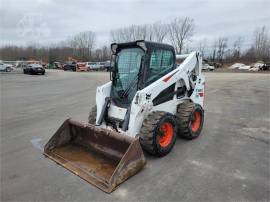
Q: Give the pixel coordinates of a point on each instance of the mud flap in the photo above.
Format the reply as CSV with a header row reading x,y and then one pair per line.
x,y
102,157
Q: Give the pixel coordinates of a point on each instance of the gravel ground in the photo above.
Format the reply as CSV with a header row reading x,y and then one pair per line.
x,y
230,161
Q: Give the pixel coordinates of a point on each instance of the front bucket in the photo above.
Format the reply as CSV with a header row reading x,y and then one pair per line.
x,y
102,157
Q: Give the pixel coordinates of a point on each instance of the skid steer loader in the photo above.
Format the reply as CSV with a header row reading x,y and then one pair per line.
x,y
149,100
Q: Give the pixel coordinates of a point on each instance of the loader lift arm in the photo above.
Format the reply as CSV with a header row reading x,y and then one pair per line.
x,y
185,79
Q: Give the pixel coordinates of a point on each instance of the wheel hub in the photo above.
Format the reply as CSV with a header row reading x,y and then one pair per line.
x,y
165,134
196,121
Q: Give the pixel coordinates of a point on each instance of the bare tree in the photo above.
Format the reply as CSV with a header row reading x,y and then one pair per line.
x,y
83,44
187,48
221,48
98,54
180,32
141,32
152,32
157,32
202,47
214,50
237,46
249,55
262,43
119,35
106,52
131,33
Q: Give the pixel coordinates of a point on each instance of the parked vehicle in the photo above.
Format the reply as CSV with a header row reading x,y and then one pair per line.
x,y
107,66
21,64
265,67
215,64
212,63
207,67
102,65
44,65
81,66
95,66
70,65
88,65
58,65
54,65
5,67
236,65
34,69
244,67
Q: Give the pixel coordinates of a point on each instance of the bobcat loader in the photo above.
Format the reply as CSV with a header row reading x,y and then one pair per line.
x,y
149,100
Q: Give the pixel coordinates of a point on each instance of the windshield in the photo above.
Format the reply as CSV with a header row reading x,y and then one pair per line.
x,y
128,62
128,65
35,65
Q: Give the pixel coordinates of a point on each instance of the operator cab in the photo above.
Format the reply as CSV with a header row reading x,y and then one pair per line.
x,y
136,65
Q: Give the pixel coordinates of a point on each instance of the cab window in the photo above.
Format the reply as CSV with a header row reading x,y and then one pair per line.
x,y
161,63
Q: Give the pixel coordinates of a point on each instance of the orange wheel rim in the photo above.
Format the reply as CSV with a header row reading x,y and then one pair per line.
x,y
167,136
196,122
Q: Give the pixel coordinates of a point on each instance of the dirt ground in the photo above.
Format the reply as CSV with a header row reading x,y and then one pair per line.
x,y
230,161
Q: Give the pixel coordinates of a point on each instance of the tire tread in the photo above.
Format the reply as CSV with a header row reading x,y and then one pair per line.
x,y
148,129
92,115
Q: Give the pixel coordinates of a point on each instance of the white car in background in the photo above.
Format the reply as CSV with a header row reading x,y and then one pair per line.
x,y
5,67
244,67
240,66
88,65
94,66
207,67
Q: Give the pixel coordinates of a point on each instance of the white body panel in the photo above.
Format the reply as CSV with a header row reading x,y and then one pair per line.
x,y
102,92
142,103
117,112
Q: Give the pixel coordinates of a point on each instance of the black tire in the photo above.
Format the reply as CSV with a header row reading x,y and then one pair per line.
x,y
151,133
188,122
92,115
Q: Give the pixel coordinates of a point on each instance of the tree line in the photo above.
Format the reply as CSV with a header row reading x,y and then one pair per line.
x,y
179,32
80,47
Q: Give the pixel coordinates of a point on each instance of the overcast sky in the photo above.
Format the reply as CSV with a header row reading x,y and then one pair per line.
x,y
50,21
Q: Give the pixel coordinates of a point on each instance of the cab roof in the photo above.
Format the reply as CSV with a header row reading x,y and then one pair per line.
x,y
146,45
